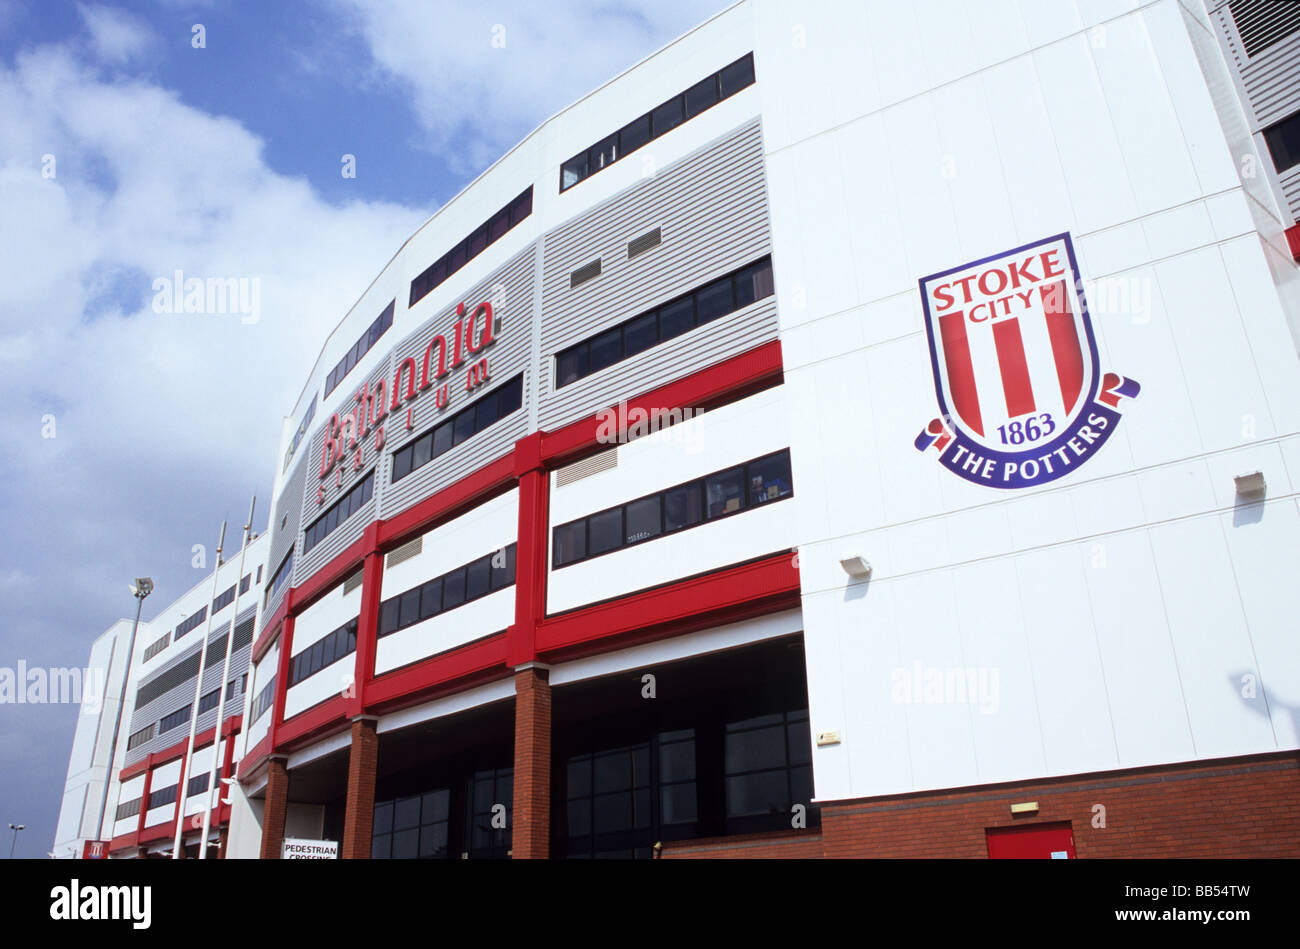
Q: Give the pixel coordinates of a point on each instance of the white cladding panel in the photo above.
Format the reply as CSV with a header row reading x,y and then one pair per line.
x,y
1134,611
706,443
487,528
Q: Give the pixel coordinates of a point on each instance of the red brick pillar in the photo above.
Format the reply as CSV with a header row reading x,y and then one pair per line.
x,y
531,831
275,810
359,816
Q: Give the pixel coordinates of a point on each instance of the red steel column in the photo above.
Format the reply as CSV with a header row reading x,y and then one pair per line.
x,y
531,831
144,797
530,551
372,586
359,815
282,676
275,810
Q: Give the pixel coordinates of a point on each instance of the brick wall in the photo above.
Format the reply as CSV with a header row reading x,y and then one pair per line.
x,y
1231,807
359,815
275,810
784,845
531,817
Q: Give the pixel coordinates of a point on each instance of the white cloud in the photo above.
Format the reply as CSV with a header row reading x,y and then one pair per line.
x,y
115,35
475,99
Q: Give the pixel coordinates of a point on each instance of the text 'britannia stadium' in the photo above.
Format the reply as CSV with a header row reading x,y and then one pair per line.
x,y
859,429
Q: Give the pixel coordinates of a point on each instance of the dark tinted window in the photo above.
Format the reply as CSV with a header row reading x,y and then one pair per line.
x,y
453,589
700,96
1284,143
667,116
737,76
635,134
640,334
724,492
642,519
677,318
714,301
683,506
570,542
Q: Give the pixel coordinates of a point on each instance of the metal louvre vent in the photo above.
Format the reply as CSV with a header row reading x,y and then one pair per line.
x,y
352,582
584,273
1262,23
640,245
587,467
411,548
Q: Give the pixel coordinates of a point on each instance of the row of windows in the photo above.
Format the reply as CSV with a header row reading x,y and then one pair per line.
x,y
264,699
163,797
462,426
210,701
354,355
185,625
714,300
157,646
223,600
140,737
622,796
420,826
282,574
342,642
302,431
339,511
178,717
129,809
714,496
488,233
198,784
686,105
487,574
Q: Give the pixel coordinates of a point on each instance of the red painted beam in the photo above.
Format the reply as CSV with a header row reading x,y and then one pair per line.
x,y
314,722
474,663
1293,240
724,596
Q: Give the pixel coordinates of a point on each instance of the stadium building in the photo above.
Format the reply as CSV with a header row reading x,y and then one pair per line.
x,y
857,430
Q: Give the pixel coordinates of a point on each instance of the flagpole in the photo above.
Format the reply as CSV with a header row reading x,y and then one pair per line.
x,y
186,761
215,771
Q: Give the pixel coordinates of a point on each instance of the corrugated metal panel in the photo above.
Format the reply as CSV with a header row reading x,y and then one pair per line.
x,y
1271,77
1291,190
511,290
712,208
289,512
305,564
405,552
587,467
1261,23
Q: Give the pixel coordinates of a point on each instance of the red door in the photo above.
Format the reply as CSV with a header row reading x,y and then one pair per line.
x,y
1031,842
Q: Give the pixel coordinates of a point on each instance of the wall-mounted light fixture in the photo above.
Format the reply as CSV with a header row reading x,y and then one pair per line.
x,y
856,567
1250,485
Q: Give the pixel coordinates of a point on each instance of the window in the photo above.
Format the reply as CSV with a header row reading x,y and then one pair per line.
x,y
244,583
223,600
659,120
721,494
414,827
282,573
478,241
459,428
189,623
713,301
369,337
178,717
487,574
1283,142
767,767
198,784
210,701
264,700
324,652
338,512
129,809
157,646
140,737
235,686
163,797
489,791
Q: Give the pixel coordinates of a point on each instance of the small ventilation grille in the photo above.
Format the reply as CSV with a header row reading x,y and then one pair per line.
x,y
405,552
587,467
584,273
643,243
1263,23
352,582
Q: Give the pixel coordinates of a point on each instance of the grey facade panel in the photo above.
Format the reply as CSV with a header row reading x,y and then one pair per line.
x,y
1270,78
712,210
511,291
289,512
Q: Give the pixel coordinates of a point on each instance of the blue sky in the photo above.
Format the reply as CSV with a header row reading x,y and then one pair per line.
x,y
219,161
